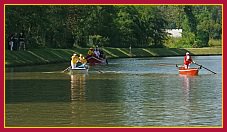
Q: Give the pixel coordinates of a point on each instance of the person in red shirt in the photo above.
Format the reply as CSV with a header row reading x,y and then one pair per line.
x,y
187,60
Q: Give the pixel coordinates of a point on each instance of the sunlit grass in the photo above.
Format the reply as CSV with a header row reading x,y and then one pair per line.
x,y
152,53
44,56
109,52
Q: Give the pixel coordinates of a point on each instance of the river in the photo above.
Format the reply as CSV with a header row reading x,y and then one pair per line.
x,y
138,92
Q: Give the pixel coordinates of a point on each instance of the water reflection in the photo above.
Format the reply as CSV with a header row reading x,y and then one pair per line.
x,y
186,102
78,87
186,86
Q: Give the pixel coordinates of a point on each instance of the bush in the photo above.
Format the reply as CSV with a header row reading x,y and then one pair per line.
x,y
202,39
98,40
215,43
186,41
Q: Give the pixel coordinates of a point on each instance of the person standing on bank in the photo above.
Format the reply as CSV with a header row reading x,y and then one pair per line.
x,y
10,42
187,60
21,41
15,41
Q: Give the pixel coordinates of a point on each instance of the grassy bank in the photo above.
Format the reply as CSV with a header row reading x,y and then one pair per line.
x,y
45,56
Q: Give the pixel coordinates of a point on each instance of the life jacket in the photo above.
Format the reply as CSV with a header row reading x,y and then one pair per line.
x,y
90,52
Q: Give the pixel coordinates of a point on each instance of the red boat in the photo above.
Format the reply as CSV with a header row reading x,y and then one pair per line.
x,y
94,60
189,71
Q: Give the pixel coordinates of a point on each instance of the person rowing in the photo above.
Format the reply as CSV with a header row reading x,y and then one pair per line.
x,y
74,61
187,60
81,62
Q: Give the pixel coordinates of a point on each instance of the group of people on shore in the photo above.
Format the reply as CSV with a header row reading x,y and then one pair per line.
x,y
16,42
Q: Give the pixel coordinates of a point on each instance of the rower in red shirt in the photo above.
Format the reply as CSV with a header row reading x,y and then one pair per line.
x,y
187,60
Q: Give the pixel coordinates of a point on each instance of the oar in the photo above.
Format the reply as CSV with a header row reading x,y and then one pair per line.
x,y
178,66
98,70
205,68
66,69
165,64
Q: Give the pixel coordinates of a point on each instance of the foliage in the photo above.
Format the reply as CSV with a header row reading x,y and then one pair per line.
x,y
200,23
67,26
98,40
215,43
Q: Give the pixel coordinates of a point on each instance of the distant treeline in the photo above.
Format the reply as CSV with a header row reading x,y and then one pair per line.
x,y
66,26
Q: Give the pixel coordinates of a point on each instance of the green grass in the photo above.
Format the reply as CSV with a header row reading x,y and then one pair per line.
x,y
205,51
179,43
45,56
215,43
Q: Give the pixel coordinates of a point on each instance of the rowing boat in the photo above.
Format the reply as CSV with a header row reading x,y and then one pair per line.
x,y
77,70
94,60
189,71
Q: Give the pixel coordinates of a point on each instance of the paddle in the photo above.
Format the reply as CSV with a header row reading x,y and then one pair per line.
x,y
66,69
205,68
98,70
165,64
178,66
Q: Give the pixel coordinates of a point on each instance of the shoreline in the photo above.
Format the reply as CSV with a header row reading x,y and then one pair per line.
x,y
53,56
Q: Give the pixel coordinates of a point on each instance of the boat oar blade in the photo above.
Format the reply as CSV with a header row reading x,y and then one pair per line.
x,y
205,68
208,70
66,69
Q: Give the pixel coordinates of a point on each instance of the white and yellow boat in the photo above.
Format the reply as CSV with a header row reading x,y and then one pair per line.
x,y
79,69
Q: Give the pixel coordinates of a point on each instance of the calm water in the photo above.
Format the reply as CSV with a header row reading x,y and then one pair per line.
x,y
127,92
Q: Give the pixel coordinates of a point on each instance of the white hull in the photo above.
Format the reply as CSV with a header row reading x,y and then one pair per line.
x,y
78,70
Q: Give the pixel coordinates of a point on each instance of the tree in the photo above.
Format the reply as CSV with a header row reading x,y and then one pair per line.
x,y
68,26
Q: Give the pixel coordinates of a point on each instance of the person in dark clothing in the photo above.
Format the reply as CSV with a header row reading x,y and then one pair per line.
x,y
101,53
21,41
15,41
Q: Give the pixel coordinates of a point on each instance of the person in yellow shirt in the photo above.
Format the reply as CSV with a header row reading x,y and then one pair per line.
x,y
74,60
79,63
90,52
81,57
83,61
